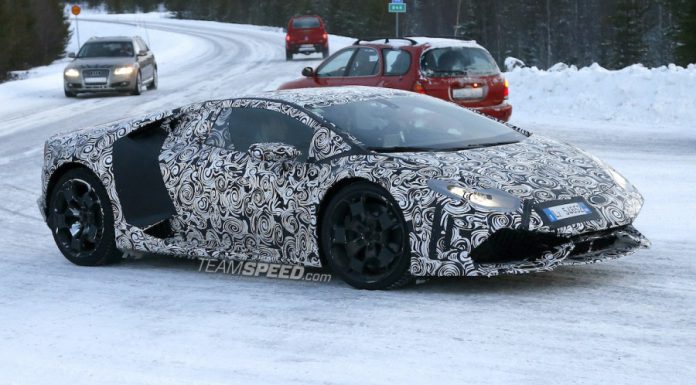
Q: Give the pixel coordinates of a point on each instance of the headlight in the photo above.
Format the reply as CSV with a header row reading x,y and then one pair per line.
x,y
619,179
72,73
123,70
482,199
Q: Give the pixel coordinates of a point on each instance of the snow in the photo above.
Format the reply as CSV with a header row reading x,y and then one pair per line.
x,y
159,321
511,63
438,42
635,95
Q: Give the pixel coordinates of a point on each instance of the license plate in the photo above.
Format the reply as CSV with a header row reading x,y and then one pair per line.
x,y
95,80
467,93
307,46
565,211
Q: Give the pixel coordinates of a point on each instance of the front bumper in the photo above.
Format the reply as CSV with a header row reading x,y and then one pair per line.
x,y
111,83
545,256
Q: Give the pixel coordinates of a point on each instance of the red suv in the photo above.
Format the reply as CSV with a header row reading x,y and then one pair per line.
x,y
306,34
459,71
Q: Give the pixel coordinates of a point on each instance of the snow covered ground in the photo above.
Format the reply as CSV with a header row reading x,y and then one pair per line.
x,y
160,321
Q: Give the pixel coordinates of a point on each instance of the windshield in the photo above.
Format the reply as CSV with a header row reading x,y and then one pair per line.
x,y
417,123
452,61
107,49
306,22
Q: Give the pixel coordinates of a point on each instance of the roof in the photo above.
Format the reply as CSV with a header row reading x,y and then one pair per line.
x,y
112,38
438,42
329,96
433,42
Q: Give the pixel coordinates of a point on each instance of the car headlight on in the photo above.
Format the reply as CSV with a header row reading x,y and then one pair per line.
x,y
123,70
482,199
72,73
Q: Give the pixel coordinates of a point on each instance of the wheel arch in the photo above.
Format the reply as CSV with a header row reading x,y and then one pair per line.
x,y
57,174
330,193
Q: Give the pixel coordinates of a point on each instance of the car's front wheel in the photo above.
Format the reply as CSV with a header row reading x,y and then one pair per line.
x,y
69,94
81,219
364,238
153,84
138,85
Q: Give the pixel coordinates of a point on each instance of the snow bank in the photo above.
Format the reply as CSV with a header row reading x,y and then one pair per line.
x,y
652,97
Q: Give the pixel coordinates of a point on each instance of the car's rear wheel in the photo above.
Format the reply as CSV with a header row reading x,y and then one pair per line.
x,y
364,238
288,55
154,82
325,52
138,85
81,219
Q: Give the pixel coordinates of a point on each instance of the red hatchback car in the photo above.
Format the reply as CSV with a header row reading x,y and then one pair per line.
x,y
459,71
306,34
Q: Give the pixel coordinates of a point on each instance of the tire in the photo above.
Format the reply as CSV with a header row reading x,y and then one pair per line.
x,y
69,94
325,53
81,219
153,84
288,55
138,85
364,238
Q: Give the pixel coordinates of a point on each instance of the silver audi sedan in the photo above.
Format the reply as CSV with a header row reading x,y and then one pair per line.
x,y
111,64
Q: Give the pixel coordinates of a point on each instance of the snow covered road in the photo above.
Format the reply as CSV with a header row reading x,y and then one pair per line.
x,y
161,321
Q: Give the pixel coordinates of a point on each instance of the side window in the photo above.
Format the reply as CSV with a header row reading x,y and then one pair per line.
x,y
337,65
396,62
236,129
365,63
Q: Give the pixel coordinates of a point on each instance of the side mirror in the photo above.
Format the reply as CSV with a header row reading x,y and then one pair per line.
x,y
142,52
308,72
71,55
273,152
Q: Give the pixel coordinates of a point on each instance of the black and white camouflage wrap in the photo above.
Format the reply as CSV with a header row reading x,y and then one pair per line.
x,y
234,205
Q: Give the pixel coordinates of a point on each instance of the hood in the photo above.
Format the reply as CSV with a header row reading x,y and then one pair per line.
x,y
101,62
536,168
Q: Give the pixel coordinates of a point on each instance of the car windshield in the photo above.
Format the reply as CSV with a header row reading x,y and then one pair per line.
x,y
416,123
306,22
107,49
453,61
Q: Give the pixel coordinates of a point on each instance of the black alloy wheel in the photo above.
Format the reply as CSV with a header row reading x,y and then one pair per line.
x,y
365,239
81,220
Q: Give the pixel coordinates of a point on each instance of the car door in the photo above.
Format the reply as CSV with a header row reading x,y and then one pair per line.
x,y
364,68
252,205
146,60
333,71
397,72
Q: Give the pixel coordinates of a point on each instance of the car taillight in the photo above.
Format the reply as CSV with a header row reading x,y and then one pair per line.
x,y
287,37
418,88
506,91
325,36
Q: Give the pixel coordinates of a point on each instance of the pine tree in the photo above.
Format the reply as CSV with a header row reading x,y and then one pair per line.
x,y
685,52
627,25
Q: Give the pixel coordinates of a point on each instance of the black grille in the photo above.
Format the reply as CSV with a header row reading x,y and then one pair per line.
x,y
95,73
508,245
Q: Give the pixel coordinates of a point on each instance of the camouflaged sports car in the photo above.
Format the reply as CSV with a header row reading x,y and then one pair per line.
x,y
379,185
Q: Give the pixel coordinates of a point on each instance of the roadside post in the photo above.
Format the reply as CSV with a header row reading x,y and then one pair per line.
x,y
75,10
397,7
